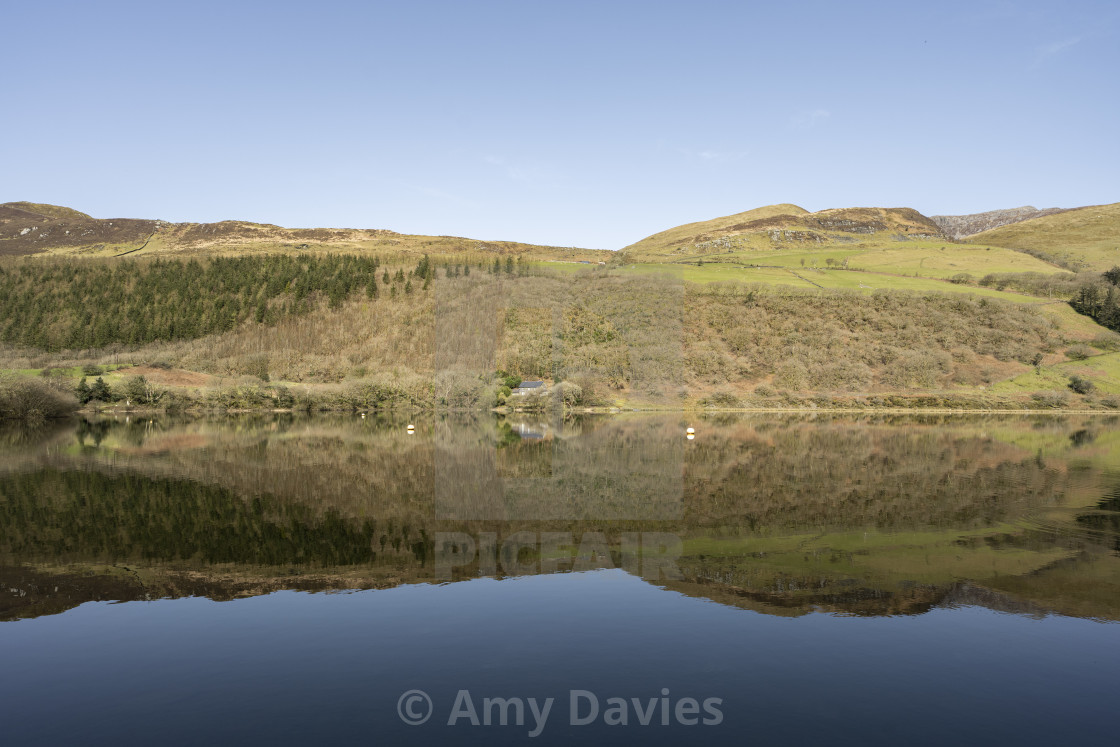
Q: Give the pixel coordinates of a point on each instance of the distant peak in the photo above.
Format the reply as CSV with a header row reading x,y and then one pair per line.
x,y
962,226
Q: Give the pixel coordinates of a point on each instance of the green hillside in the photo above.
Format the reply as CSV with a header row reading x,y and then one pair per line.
x,y
783,226
1084,238
688,233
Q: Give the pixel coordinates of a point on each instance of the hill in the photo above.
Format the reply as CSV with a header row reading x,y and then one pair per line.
x,y
30,228
1082,238
783,226
704,230
962,226
861,307
863,249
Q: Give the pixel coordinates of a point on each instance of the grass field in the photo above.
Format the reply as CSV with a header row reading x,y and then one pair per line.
x,y
833,279
1102,370
936,259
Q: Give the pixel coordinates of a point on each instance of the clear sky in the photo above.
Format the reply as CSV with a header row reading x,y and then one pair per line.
x,y
571,123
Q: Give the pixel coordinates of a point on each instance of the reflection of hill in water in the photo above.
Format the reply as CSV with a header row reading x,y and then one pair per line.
x,y
782,515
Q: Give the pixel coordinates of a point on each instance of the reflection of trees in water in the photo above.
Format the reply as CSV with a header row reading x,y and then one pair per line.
x,y
20,437
1105,519
78,515
755,474
340,493
851,475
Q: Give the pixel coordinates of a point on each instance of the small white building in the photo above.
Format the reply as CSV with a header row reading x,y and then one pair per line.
x,y
529,387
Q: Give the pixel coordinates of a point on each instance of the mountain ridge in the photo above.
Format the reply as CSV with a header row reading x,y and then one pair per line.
x,y
32,228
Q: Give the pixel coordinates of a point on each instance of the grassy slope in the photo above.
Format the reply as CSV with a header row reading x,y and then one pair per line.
x,y
1102,370
660,242
829,279
783,226
1089,236
830,261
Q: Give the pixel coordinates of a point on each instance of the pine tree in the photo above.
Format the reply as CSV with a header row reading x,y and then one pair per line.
x,y
82,391
100,391
423,267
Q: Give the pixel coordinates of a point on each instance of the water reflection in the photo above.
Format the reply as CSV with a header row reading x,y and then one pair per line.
x,y
863,515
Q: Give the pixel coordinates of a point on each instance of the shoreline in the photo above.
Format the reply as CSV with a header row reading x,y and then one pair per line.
x,y
597,411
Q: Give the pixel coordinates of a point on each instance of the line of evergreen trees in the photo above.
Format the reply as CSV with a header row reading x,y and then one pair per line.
x,y
87,304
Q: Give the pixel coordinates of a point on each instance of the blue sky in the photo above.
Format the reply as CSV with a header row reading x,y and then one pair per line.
x,y
586,124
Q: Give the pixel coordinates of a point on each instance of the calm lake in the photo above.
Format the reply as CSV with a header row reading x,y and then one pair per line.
x,y
855,579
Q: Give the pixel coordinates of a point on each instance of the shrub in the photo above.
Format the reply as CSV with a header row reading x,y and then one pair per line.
x,y
1108,341
791,376
591,388
1080,385
532,401
284,397
257,366
1080,352
138,390
569,394
91,369
173,402
961,278
722,398
33,399
454,388
1050,399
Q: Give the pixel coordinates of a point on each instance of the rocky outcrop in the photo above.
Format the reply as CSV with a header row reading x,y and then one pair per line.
x,y
962,226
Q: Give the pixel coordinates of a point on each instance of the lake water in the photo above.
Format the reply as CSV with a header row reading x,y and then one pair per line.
x,y
863,579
